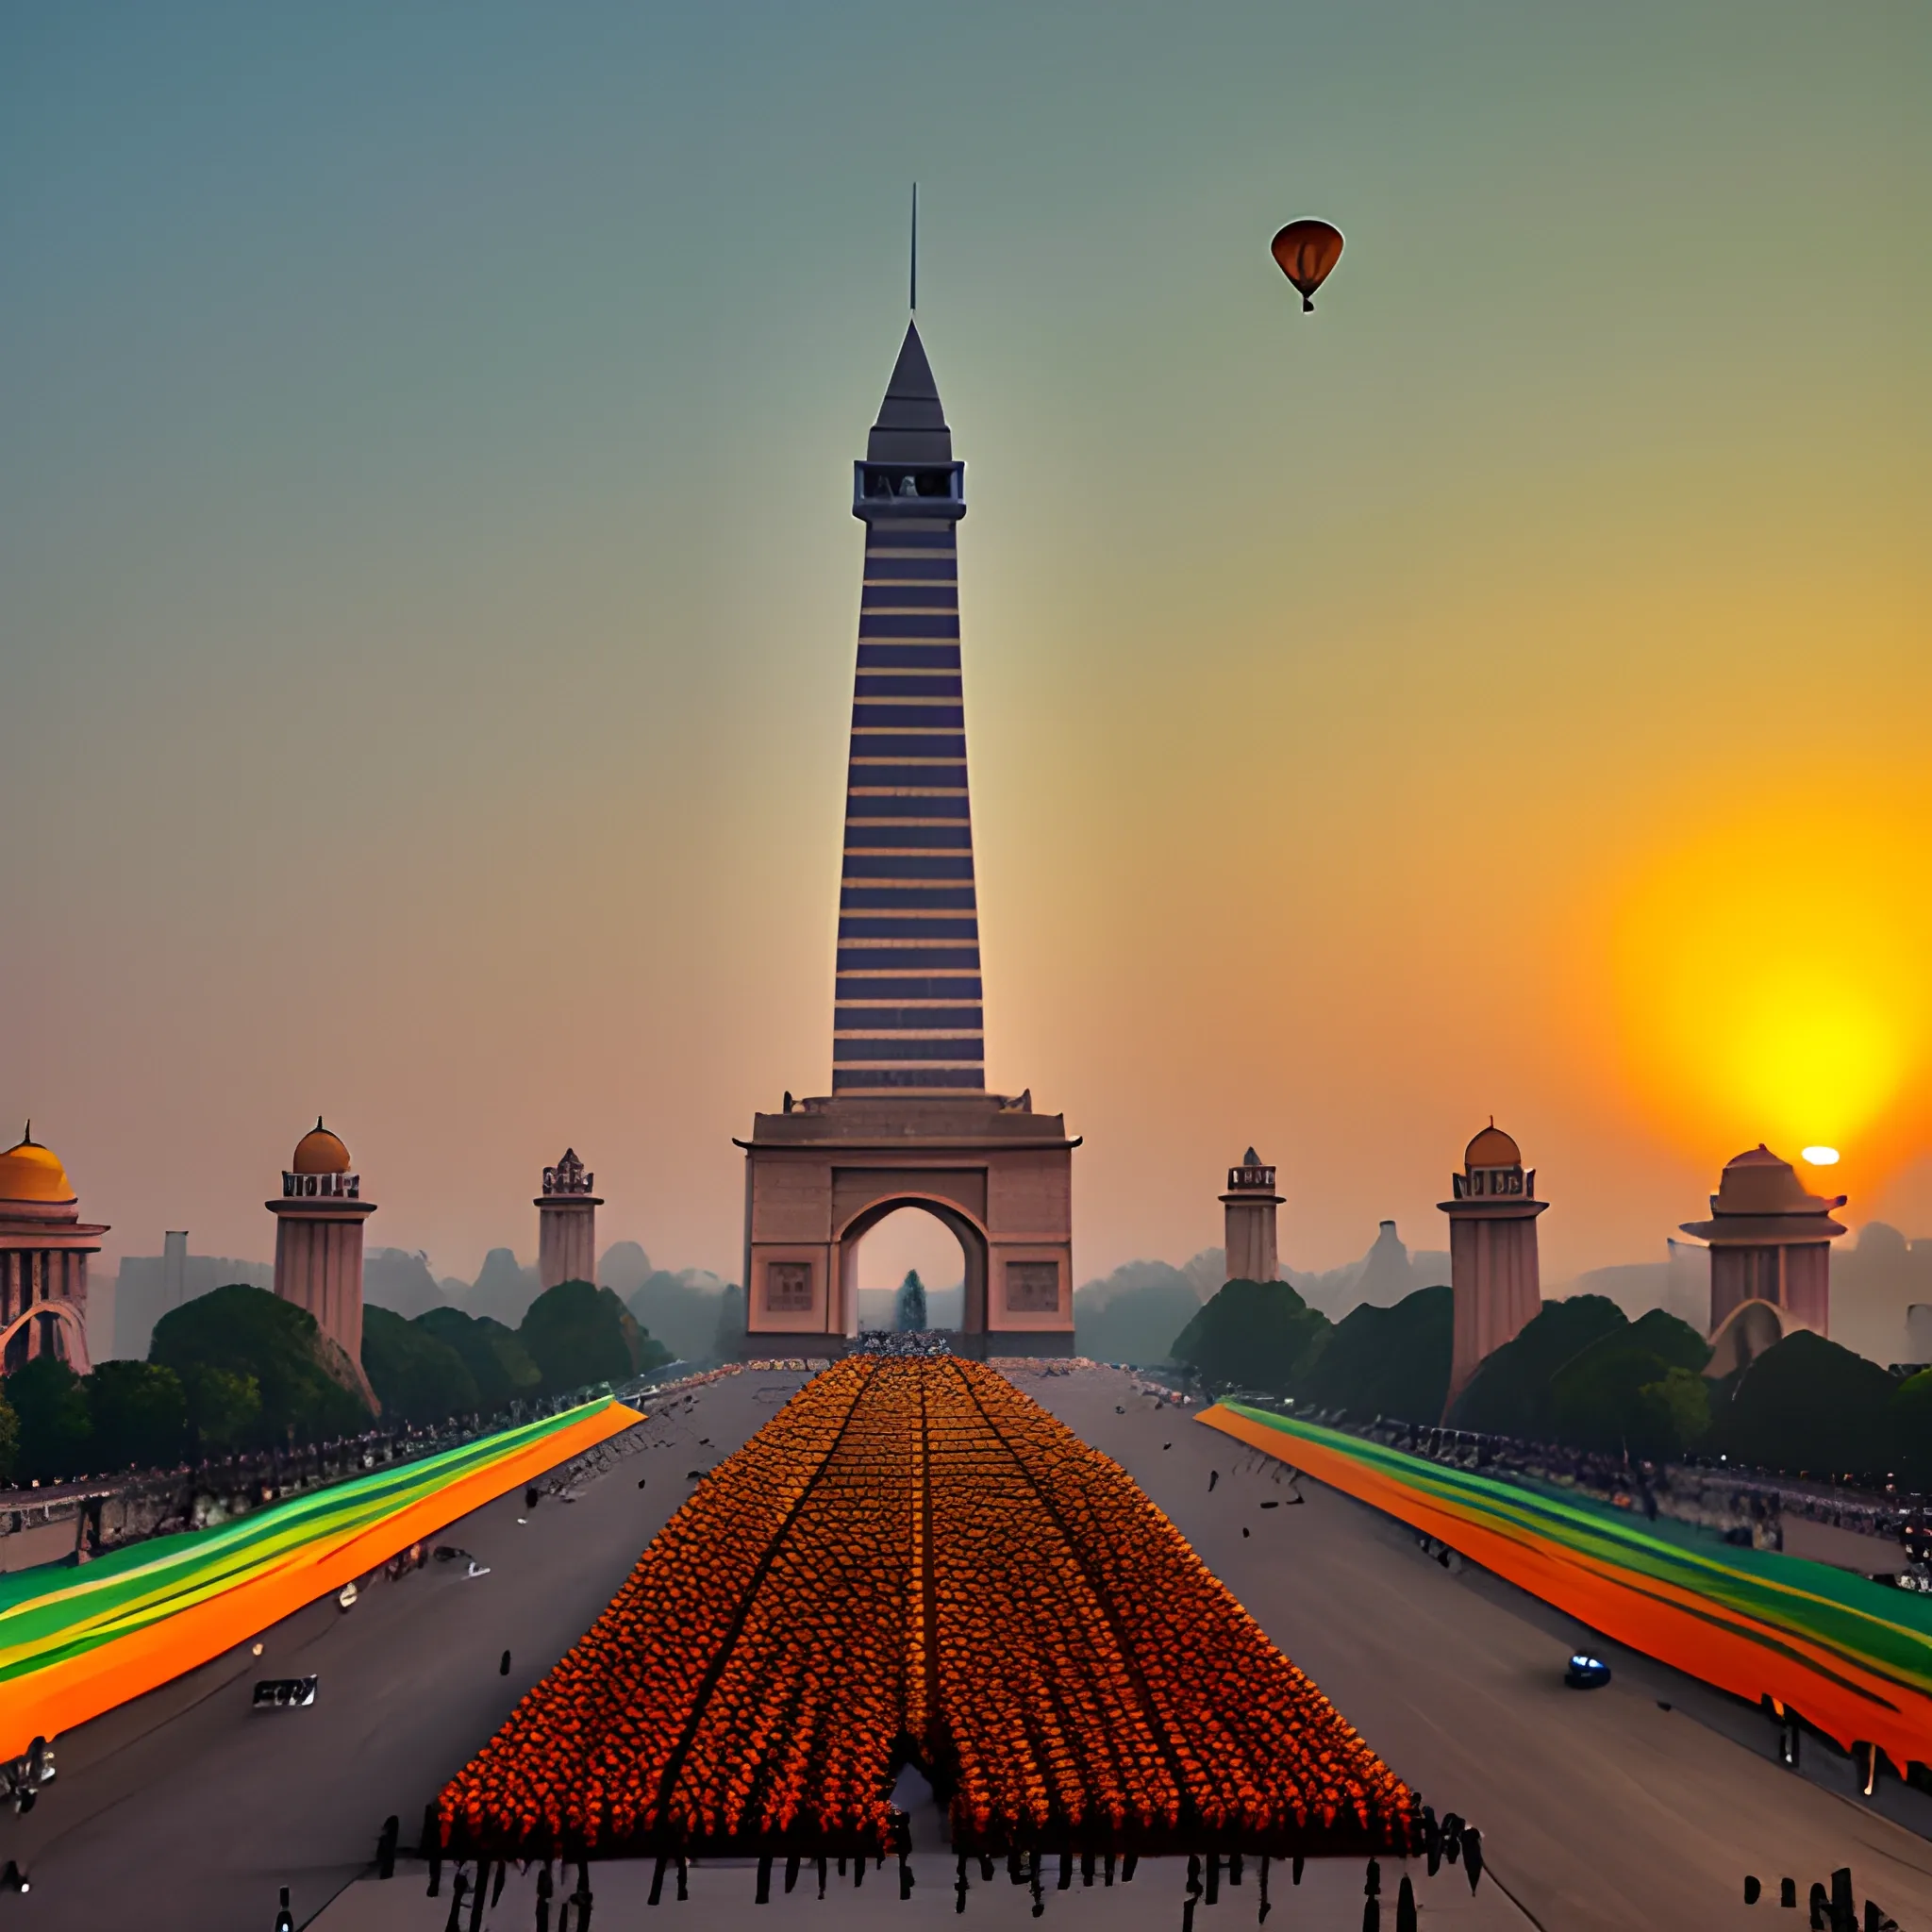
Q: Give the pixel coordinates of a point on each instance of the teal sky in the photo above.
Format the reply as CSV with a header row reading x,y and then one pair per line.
x,y
429,590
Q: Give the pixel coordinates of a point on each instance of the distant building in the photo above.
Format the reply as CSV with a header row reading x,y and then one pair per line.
x,y
1769,1242
567,1223
43,1250
150,1286
1492,1251
318,1240
1249,1208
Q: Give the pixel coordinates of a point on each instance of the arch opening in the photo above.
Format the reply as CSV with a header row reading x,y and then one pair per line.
x,y
889,1240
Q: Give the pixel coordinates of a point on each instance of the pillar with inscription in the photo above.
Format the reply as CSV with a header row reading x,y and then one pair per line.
x,y
1492,1251
319,1243
1250,1206
567,1223
45,1247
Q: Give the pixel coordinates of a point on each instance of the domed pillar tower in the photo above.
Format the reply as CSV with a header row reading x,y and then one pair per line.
x,y
1492,1251
567,1223
43,1250
1249,1207
319,1241
1769,1240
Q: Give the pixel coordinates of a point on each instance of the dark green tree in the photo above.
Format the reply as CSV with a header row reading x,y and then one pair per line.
x,y
1253,1334
579,1334
1598,1399
417,1377
140,1415
9,1437
224,1409
1509,1395
909,1312
1910,1425
1807,1405
1388,1361
55,1431
498,1363
728,1343
250,1332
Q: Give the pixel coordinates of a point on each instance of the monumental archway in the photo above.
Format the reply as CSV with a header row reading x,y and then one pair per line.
x,y
820,1176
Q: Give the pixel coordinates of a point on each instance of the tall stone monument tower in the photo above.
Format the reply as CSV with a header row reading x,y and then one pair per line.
x,y
567,1223
1492,1251
1250,1206
319,1241
909,1122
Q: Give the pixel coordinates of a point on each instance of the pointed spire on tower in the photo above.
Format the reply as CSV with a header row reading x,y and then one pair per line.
x,y
911,426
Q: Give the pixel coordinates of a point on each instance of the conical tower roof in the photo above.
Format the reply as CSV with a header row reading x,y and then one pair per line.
x,y
911,426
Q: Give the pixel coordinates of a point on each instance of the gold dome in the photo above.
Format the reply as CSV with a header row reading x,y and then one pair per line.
x,y
1492,1147
32,1172
320,1152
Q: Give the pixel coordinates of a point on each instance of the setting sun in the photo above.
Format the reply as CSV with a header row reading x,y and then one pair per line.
x,y
1770,978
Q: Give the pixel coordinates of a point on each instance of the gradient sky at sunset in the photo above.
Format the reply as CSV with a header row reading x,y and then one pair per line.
x,y
427,595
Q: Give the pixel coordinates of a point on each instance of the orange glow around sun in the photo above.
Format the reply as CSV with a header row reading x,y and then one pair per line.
x,y
1773,980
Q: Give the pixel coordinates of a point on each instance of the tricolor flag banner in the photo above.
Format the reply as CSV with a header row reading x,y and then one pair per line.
x,y
75,1642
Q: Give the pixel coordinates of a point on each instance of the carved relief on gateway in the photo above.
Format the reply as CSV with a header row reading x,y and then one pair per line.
x,y
1033,1288
787,1287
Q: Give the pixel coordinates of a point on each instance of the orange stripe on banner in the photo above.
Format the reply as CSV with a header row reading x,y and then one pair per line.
x,y
68,1693
1702,1636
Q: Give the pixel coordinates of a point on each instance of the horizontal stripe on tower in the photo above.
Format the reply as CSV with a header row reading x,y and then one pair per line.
x,y
857,986
898,837
906,899
896,537
867,777
907,684
909,625
916,1080
967,1048
908,1019
881,566
947,715
931,804
899,744
909,865
859,927
912,656
863,959
877,596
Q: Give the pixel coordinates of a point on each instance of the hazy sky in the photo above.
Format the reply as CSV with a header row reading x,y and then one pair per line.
x,y
427,595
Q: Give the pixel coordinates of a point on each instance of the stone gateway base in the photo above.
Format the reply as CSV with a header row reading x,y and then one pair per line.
x,y
820,1176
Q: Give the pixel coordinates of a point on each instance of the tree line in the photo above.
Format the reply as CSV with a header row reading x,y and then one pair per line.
x,y
1581,1375
241,1369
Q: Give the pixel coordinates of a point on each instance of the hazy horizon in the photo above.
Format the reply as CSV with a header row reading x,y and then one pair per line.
x,y
431,600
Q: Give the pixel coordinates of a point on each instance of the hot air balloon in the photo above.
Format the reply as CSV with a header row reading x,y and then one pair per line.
x,y
1306,252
